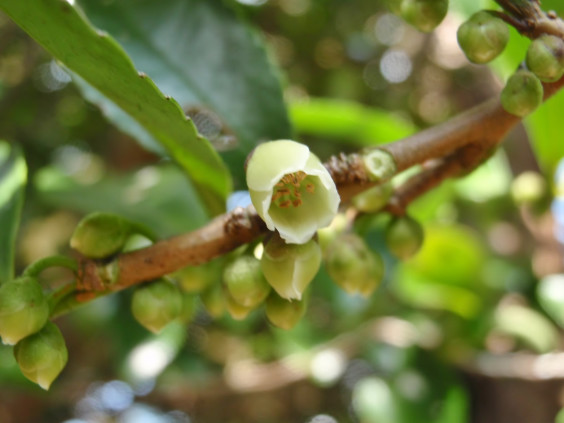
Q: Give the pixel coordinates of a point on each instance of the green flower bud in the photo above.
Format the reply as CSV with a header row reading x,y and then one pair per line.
x,y
528,188
189,307
373,199
101,235
23,309
42,356
404,237
522,94
394,6
425,15
289,268
482,37
198,278
291,190
282,313
236,310
326,235
353,266
245,282
214,300
545,58
156,304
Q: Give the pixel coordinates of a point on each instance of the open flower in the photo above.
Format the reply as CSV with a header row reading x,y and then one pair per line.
x,y
291,190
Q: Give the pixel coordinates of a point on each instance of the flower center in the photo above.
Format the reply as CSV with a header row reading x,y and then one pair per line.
x,y
288,191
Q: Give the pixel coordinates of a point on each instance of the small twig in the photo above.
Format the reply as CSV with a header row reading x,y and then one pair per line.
x,y
529,19
35,268
435,172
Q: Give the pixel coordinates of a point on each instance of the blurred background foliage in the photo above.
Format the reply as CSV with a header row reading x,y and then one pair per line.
x,y
469,330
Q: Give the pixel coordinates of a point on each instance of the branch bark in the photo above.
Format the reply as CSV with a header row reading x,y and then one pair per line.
x,y
447,150
462,143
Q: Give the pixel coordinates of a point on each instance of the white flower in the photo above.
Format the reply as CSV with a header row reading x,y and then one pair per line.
x,y
291,190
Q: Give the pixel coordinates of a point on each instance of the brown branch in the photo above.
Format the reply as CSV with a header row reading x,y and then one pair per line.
x,y
527,17
485,124
481,127
435,172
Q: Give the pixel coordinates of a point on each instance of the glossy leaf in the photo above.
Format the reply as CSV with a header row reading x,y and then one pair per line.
x,y
63,31
13,177
202,55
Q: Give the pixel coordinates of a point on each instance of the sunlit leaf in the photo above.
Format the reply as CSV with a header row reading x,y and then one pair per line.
x,y
445,274
348,122
545,127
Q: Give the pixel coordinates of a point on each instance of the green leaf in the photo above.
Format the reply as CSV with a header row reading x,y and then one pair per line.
x,y
156,196
63,31
202,55
446,273
13,177
348,121
545,127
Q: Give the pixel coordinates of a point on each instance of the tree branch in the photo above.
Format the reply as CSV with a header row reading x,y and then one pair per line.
x,y
447,150
463,142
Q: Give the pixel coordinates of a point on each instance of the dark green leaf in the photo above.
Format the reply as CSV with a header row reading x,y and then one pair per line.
x,y
200,54
13,177
62,30
157,196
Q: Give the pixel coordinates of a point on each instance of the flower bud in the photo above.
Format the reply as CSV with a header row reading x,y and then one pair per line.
x,y
155,304
394,6
522,93
545,57
42,356
353,266
373,199
214,300
291,190
528,188
236,310
289,268
23,309
482,37
282,313
425,15
198,278
100,235
404,237
189,307
245,282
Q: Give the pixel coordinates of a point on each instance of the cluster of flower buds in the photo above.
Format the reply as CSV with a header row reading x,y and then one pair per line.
x,y
484,36
40,349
